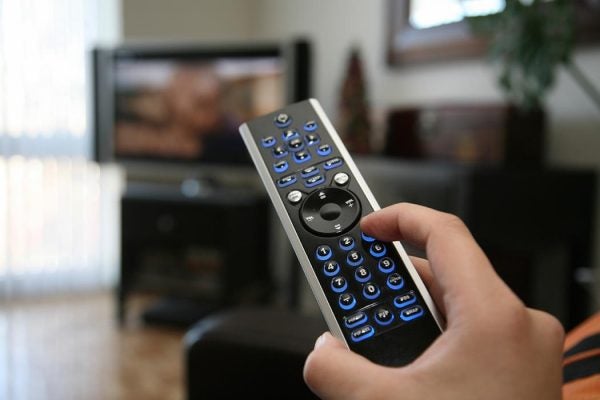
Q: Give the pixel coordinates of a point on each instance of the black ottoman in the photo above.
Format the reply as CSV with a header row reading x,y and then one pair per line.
x,y
253,353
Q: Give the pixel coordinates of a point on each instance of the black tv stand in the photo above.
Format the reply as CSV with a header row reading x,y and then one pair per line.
x,y
210,249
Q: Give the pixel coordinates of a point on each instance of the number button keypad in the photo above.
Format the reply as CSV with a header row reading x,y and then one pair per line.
x,y
369,290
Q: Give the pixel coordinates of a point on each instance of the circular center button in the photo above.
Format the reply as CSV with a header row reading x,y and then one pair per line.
x,y
330,211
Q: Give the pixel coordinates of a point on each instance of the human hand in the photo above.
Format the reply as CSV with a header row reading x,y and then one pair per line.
x,y
493,346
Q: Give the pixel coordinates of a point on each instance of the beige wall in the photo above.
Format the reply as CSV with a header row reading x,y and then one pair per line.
x,y
334,26
202,20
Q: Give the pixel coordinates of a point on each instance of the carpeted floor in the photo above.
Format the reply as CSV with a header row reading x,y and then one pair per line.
x,y
70,348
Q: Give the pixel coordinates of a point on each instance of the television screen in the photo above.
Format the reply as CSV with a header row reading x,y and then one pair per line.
x,y
168,107
186,108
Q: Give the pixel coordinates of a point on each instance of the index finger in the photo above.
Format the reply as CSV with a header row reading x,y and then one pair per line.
x,y
461,269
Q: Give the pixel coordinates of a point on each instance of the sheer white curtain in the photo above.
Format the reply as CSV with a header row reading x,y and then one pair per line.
x,y
58,210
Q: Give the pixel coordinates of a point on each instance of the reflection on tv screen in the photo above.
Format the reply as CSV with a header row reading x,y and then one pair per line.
x,y
190,111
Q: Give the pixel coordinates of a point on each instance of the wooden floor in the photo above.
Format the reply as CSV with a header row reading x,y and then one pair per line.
x,y
70,348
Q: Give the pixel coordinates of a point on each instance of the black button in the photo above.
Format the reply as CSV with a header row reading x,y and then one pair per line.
x,y
290,134
386,265
286,181
362,274
371,291
395,281
347,243
309,171
347,301
314,181
330,211
339,284
323,252
356,319
324,150
301,156
296,144
268,141
310,126
280,166
383,316
315,222
363,333
405,300
414,312
283,120
331,268
312,138
377,249
333,163
279,151
354,258
367,238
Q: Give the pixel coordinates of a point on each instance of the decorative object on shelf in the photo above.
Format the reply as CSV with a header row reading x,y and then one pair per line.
x,y
354,119
530,41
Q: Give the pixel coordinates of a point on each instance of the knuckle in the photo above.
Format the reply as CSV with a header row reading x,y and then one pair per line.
x,y
451,221
551,327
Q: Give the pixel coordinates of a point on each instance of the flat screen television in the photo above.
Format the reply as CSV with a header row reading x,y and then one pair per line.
x,y
160,106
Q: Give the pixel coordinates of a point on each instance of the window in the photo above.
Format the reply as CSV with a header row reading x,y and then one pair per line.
x,y
57,210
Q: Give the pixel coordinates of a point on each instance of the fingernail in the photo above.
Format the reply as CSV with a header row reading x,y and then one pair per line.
x,y
321,340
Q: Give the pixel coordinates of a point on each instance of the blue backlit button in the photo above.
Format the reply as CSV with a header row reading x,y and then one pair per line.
x,y
268,141
312,139
331,268
386,265
314,181
309,171
296,144
408,314
302,156
377,249
339,284
362,274
383,316
286,181
395,281
371,291
283,120
290,134
367,238
405,300
324,150
362,333
280,151
280,166
323,252
347,243
332,163
354,258
355,319
310,126
346,301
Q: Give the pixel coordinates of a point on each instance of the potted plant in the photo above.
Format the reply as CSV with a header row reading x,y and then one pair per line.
x,y
528,42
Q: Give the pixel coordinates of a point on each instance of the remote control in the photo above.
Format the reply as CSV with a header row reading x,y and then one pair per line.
x,y
369,292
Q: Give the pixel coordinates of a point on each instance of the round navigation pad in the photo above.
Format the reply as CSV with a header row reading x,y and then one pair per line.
x,y
330,211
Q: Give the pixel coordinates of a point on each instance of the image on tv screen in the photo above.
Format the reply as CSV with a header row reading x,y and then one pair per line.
x,y
190,110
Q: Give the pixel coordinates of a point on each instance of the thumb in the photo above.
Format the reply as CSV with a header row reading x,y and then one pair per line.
x,y
332,371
